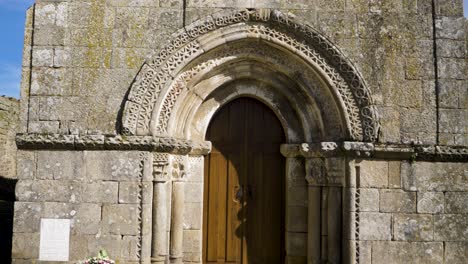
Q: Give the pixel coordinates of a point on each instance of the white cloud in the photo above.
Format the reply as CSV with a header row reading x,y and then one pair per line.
x,y
10,78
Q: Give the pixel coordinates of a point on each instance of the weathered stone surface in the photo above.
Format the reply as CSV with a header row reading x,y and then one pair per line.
x,y
456,202
113,165
121,219
27,217
402,252
25,246
130,191
368,200
192,241
86,218
296,219
60,165
374,174
375,226
451,227
100,192
397,201
193,216
26,165
193,192
394,174
456,252
437,176
413,227
430,202
296,244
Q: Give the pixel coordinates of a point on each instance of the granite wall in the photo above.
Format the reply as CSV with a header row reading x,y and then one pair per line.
x,y
404,196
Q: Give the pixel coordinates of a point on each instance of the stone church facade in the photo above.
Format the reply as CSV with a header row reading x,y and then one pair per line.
x,y
119,101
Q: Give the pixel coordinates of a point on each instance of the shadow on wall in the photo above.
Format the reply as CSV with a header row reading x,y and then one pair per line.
x,y
7,199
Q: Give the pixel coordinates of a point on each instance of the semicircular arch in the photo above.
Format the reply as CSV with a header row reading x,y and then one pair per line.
x,y
155,92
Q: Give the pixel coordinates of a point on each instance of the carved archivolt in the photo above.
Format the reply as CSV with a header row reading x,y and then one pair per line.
x,y
163,79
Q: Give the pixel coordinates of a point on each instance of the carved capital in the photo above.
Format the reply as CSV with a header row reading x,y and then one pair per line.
x,y
160,167
179,167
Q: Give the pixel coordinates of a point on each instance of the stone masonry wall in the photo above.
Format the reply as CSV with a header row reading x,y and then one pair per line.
x,y
98,191
9,108
409,210
82,57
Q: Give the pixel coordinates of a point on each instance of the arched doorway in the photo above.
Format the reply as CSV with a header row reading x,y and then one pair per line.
x,y
244,186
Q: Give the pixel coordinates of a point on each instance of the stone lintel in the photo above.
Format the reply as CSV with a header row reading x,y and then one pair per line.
x,y
380,151
112,142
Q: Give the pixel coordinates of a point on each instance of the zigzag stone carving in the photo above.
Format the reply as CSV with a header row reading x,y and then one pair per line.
x,y
159,73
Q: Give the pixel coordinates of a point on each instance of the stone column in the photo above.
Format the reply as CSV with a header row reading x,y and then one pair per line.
x,y
178,165
161,176
177,227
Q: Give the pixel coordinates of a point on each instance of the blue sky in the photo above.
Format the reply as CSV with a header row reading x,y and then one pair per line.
x,y
12,16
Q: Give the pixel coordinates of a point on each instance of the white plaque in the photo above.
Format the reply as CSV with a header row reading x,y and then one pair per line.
x,y
55,239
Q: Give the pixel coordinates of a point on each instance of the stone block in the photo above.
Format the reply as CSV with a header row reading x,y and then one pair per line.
x,y
26,165
450,28
51,81
25,246
450,48
413,227
397,201
296,244
373,174
452,68
62,57
193,213
434,176
100,192
79,248
48,191
456,252
453,120
296,219
112,244
297,196
49,36
451,227
451,93
60,165
130,191
27,217
113,165
390,124
368,200
193,240
430,202
375,226
130,248
456,202
396,252
394,174
86,218
121,219
193,192
42,57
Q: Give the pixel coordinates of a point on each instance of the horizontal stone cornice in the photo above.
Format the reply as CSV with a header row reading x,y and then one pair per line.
x,y
371,150
112,142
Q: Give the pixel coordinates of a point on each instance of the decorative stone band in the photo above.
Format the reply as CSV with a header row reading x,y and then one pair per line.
x,y
114,142
371,150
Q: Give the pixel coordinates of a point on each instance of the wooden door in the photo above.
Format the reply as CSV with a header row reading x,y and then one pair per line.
x,y
244,186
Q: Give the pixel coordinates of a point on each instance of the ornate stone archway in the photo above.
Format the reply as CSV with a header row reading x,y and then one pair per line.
x,y
156,91
315,91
